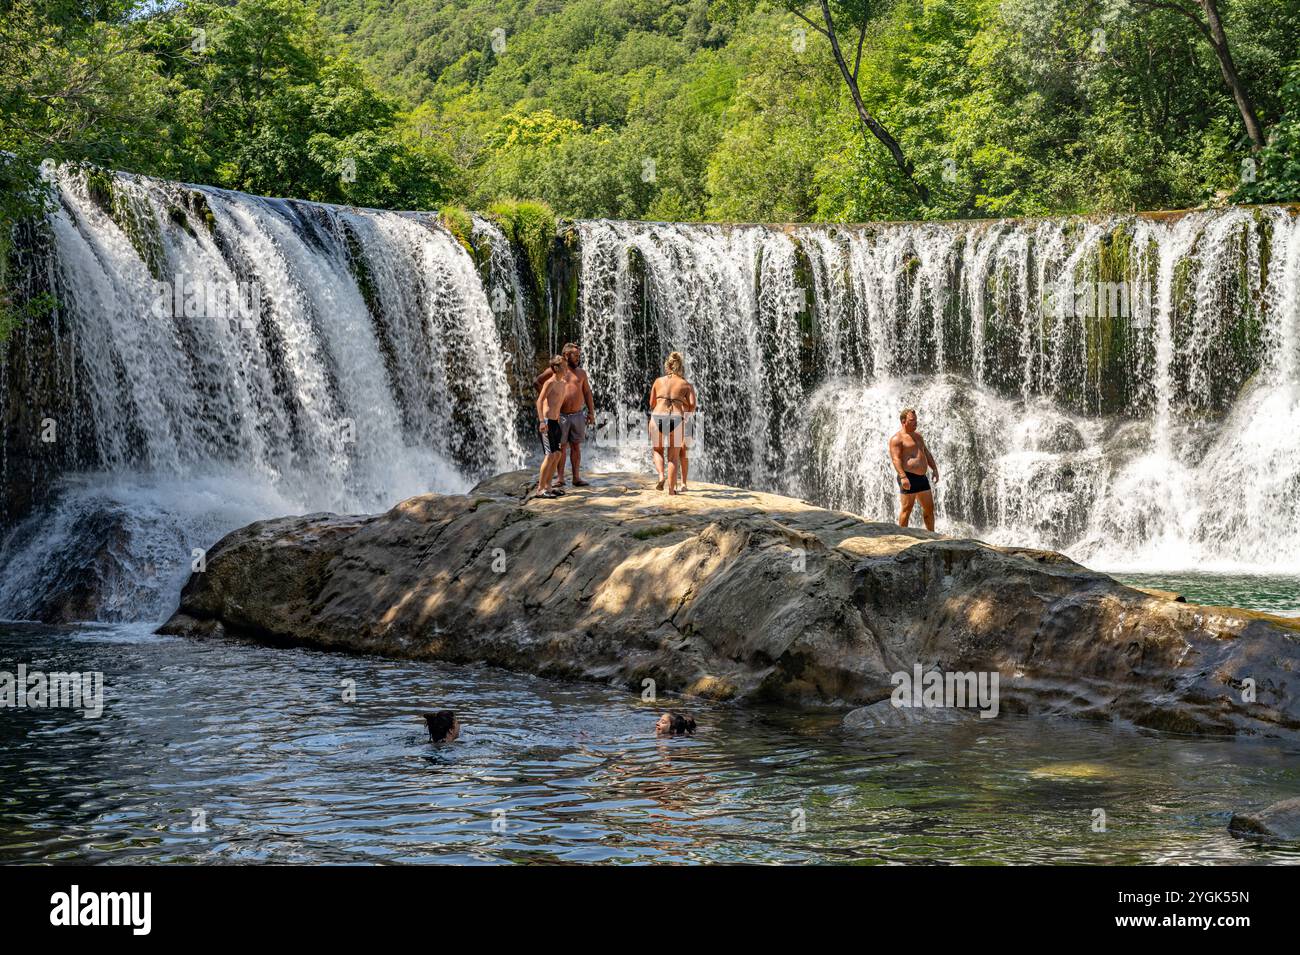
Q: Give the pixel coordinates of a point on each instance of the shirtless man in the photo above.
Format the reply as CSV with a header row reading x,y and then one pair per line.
x,y
550,398
573,417
911,459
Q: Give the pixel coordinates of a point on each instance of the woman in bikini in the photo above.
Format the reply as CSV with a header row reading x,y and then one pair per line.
x,y
671,397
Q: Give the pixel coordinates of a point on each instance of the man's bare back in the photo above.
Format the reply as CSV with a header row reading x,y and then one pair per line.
x,y
551,399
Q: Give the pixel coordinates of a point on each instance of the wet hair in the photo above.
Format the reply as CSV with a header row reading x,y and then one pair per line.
x,y
675,364
568,347
681,724
440,724
557,360
902,415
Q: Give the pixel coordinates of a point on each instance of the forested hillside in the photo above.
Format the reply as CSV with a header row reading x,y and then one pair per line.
x,y
670,109
736,110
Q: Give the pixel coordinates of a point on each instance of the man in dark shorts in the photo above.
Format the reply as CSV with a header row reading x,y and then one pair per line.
x,y
911,459
579,410
549,400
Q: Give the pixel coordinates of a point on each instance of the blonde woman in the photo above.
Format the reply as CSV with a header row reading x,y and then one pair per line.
x,y
671,396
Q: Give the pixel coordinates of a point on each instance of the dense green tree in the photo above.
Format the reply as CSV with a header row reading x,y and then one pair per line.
x,y
1276,177
251,95
672,109
74,85
741,109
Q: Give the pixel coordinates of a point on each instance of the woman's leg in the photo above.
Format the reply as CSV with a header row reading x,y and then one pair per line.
x,y
657,450
673,453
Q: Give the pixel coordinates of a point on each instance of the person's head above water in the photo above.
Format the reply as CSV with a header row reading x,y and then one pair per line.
x,y
443,726
674,364
908,417
675,724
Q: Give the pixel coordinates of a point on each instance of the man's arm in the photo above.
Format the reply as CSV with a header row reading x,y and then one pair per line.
x,y
541,379
586,393
541,413
896,455
928,456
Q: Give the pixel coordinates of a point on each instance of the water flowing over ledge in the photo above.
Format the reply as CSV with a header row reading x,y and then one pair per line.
x,y
217,357
1125,389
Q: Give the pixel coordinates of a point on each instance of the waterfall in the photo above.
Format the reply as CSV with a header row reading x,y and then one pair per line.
x,y
727,297
1121,388
235,358
507,295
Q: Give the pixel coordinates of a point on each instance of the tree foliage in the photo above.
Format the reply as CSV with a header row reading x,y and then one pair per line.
x,y
668,109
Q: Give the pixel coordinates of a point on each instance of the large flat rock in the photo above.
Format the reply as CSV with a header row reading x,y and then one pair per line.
x,y
734,594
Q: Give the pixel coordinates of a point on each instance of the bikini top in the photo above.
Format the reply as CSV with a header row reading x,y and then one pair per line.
x,y
673,402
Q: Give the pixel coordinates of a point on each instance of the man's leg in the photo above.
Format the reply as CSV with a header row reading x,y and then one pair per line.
x,y
575,458
905,513
576,435
544,473
559,474
927,509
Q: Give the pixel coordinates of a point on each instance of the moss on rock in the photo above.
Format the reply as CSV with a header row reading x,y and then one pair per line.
x,y
530,224
457,221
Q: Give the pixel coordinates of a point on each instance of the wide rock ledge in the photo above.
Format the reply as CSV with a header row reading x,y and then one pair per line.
x,y
734,594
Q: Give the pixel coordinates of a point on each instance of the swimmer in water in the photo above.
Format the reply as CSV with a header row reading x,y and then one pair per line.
x,y
675,724
443,726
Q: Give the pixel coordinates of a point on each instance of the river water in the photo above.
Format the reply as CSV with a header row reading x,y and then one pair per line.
x,y
217,358
260,742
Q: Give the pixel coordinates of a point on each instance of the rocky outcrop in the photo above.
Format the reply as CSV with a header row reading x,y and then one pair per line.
x,y
1280,821
94,557
732,594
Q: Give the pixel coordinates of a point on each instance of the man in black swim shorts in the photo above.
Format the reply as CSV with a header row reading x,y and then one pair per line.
x,y
911,459
549,400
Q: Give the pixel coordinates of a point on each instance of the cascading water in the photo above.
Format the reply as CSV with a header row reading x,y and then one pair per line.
x,y
1126,389
507,294
1123,389
234,358
729,298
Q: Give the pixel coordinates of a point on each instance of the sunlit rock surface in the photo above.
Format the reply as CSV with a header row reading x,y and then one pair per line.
x,y
732,594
